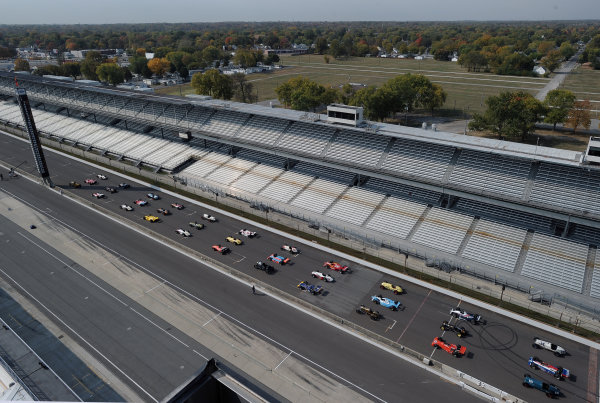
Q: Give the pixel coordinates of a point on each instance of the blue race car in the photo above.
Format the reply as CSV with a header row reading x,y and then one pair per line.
x,y
549,389
313,289
279,259
386,302
557,372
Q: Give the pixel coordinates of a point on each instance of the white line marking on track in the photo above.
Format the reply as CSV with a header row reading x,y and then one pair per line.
x,y
213,318
153,288
390,327
200,355
157,326
80,337
286,357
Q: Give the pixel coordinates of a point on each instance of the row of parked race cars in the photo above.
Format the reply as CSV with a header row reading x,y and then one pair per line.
x,y
457,313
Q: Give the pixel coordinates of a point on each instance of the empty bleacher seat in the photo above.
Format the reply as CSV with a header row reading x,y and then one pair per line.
x,y
442,229
356,147
396,217
319,195
262,130
404,191
306,138
355,205
418,159
286,186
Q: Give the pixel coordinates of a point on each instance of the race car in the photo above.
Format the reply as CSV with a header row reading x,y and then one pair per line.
x,y
455,349
389,286
163,211
183,232
247,233
322,276
196,225
126,207
290,249
336,266
279,259
464,315
151,218
103,177
219,248
124,185
140,202
546,345
386,302
313,289
208,217
110,189
98,195
234,240
448,327
557,372
375,315
177,206
75,184
263,266
90,181
153,196
549,389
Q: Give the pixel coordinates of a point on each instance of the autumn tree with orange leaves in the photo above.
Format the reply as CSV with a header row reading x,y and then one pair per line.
x,y
580,115
159,66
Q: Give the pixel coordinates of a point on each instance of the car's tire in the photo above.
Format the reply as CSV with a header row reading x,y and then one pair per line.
x,y
376,302
396,292
359,311
382,287
394,308
535,346
526,385
455,316
314,276
558,354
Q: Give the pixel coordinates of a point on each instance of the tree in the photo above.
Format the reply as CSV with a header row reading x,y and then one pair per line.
x,y
271,59
244,58
558,104
139,65
159,66
321,45
242,89
580,115
302,94
552,60
434,97
566,50
89,65
71,69
111,73
517,65
375,102
473,61
213,83
442,54
210,54
21,65
509,114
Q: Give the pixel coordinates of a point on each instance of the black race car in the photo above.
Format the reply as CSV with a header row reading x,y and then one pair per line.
x,y
263,266
448,327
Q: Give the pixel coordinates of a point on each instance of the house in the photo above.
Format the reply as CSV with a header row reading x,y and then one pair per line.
x,y
539,70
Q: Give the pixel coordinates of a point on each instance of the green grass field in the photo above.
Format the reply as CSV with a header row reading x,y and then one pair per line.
x,y
585,83
466,91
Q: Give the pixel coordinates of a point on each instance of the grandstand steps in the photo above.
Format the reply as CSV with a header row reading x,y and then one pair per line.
x,y
590,265
535,166
328,145
468,236
283,132
523,253
451,165
302,190
375,210
336,200
268,183
418,223
385,153
242,126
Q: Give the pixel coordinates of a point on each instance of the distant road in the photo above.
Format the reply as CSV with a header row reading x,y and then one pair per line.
x,y
559,76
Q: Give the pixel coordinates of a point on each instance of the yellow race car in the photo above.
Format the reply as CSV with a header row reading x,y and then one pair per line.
x,y
389,286
234,240
151,218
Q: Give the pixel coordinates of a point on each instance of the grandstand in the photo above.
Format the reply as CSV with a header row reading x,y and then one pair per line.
x,y
512,210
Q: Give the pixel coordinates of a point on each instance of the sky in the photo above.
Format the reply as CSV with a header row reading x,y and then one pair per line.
x,y
148,11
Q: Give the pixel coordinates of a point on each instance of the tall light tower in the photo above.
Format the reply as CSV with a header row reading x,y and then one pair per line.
x,y
34,138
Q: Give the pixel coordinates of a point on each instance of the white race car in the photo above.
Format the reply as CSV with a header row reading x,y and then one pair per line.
x,y
183,232
546,345
248,233
291,249
322,276
209,217
98,195
100,176
126,207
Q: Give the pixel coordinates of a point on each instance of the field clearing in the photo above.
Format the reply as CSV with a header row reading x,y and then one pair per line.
x,y
466,91
585,83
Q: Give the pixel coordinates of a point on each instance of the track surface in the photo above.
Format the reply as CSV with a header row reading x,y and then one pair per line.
x,y
498,351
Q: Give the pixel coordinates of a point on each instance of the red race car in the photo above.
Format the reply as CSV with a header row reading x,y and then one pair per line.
x,y
336,266
90,181
222,249
454,349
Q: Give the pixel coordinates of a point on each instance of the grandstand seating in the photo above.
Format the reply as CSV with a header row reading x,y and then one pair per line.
x,y
416,159
196,118
257,178
305,138
208,163
225,123
404,191
231,170
567,187
358,148
491,173
495,244
324,172
443,230
556,261
396,217
262,130
262,157
595,283
286,186
319,195
355,206
586,234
